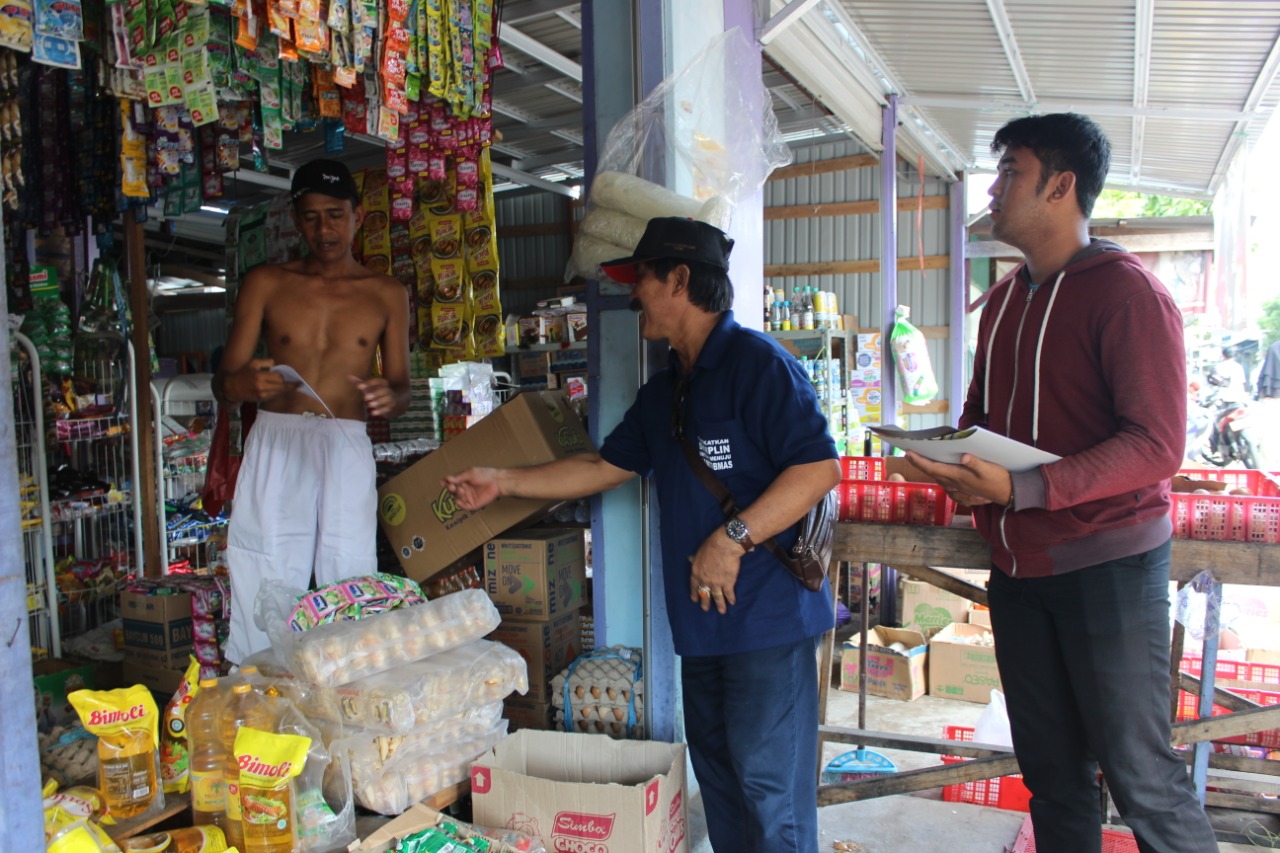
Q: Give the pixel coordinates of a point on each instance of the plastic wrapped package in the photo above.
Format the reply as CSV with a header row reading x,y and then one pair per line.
x,y
334,654
590,252
404,699
614,226
693,121
322,793
371,753
415,775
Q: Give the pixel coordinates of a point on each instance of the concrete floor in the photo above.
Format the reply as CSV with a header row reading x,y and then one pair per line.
x,y
914,823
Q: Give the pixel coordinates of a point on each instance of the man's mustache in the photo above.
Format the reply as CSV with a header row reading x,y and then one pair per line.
x,y
635,305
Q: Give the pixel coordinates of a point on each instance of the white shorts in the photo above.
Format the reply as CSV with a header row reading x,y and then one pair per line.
x,y
305,501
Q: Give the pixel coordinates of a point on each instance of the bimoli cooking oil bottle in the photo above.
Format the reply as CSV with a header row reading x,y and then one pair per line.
x,y
127,724
267,762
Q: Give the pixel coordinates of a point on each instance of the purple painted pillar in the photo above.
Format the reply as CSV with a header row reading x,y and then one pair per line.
x,y
889,254
957,387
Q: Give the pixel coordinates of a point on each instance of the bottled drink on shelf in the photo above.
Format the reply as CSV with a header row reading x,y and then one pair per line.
x,y
204,740
786,316
245,707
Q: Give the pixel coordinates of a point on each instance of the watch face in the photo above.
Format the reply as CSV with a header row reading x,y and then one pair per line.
x,y
737,529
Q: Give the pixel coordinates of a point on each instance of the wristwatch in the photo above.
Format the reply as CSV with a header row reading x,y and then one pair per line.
x,y
736,529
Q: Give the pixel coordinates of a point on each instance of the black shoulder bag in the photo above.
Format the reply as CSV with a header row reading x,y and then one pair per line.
x,y
810,556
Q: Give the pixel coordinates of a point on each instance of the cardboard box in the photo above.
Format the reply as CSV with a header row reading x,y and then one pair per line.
x,y
158,628
890,673
160,680
979,616
54,679
536,575
522,714
960,670
928,609
585,792
547,648
423,522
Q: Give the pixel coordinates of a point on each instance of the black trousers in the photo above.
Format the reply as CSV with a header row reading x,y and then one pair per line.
x,y
1084,663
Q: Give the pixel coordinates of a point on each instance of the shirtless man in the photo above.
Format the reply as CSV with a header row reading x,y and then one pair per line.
x,y
305,500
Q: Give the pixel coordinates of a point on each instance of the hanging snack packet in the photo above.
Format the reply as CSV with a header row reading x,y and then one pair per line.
x,y
267,762
127,724
911,355
174,754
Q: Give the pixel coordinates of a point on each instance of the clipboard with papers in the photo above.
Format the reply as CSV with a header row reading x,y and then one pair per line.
x,y
947,444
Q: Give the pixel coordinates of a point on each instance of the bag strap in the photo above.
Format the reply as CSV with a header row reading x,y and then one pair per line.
x,y
703,472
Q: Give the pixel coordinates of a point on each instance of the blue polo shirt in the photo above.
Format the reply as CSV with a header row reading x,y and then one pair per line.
x,y
752,413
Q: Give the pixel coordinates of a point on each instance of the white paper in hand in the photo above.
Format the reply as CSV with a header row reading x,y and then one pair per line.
x,y
291,375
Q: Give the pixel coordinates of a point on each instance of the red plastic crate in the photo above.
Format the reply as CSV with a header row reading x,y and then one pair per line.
x,y
1188,704
1262,484
1235,670
894,503
861,468
1002,792
1112,840
1230,518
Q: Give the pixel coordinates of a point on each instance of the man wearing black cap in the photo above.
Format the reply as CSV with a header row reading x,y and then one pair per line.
x,y
305,501
743,626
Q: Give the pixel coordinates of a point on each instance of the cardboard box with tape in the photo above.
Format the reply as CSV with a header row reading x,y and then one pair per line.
x,y
423,521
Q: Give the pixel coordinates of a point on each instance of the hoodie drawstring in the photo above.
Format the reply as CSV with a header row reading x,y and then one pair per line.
x,y
1044,324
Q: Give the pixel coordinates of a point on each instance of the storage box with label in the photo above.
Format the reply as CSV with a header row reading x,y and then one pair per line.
x,y
158,629
547,648
585,792
160,680
896,673
421,518
962,663
536,575
928,609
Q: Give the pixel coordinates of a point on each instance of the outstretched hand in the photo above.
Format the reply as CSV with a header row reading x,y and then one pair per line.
x,y
973,482
474,488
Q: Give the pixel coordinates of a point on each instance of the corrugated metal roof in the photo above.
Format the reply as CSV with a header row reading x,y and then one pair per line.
x,y
1178,85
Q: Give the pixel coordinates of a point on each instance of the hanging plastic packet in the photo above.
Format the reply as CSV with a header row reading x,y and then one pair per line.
x,y
127,724
267,762
1191,608
911,355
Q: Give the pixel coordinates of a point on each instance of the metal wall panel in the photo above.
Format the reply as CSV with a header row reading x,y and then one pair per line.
x,y
857,237
190,331
532,257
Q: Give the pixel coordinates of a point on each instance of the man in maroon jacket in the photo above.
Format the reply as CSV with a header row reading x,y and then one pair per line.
x,y
1080,353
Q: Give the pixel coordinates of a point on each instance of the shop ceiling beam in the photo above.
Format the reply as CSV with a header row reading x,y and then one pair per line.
x,y
1261,86
784,19
571,155
262,179
1143,24
1004,29
519,11
1098,108
533,181
512,37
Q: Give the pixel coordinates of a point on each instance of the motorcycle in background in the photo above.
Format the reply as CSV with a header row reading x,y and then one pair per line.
x,y
1221,431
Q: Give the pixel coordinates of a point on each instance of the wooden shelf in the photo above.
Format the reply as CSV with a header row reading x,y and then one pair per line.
x,y
174,805
547,347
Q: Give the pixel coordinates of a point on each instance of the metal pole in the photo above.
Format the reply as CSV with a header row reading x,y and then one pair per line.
x,y
956,340
1209,667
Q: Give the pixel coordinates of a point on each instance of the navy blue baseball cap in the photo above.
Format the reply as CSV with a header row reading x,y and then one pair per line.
x,y
673,237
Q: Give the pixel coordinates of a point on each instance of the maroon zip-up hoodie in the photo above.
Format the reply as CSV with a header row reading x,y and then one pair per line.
x,y
1089,366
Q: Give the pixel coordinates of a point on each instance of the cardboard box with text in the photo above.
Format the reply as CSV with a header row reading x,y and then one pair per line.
x,y
585,792
891,673
960,669
536,575
421,519
158,629
928,609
